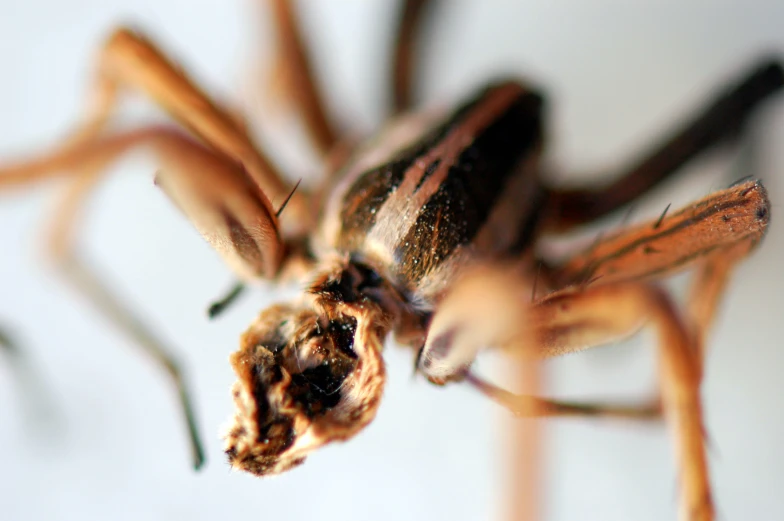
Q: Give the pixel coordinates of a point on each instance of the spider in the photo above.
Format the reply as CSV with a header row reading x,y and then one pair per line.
x,y
427,232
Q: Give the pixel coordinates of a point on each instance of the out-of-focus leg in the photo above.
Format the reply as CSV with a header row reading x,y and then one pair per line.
x,y
711,236
721,120
404,58
298,78
491,306
213,191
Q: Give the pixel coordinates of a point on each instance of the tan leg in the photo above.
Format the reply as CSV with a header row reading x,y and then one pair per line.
x,y
293,72
707,229
571,322
530,406
212,190
525,447
713,235
298,78
481,309
84,279
707,289
129,61
404,57
490,307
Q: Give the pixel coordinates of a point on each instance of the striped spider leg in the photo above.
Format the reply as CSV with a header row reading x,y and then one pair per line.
x,y
605,294
710,237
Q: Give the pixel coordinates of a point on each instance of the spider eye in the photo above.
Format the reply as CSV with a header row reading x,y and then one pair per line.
x,y
303,380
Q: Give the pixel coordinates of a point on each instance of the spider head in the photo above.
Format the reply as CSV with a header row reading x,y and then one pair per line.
x,y
307,376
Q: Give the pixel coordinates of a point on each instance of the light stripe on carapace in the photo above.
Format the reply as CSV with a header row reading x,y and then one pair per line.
x,y
436,198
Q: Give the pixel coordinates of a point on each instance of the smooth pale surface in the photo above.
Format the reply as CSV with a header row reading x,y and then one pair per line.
x,y
616,75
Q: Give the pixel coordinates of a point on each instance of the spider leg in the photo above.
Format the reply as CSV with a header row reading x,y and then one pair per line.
x,y
490,306
707,289
711,235
7,342
604,313
486,301
529,406
84,279
214,191
31,385
129,61
232,213
211,188
525,447
404,58
294,78
10,348
294,72
719,121
220,305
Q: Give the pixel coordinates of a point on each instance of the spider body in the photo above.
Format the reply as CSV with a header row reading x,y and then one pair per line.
x,y
428,232
409,214
400,228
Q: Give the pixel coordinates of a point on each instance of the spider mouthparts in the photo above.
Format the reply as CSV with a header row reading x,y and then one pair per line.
x,y
304,379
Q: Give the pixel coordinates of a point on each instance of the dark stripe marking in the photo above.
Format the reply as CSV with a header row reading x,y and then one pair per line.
x,y
596,264
462,203
371,189
244,244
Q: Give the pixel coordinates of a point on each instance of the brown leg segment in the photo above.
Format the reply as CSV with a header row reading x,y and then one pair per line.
x,y
84,279
530,406
296,67
404,60
707,288
572,321
490,306
212,190
718,223
713,234
718,122
525,447
130,61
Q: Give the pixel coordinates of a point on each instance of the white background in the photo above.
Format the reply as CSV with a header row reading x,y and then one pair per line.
x,y
113,446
